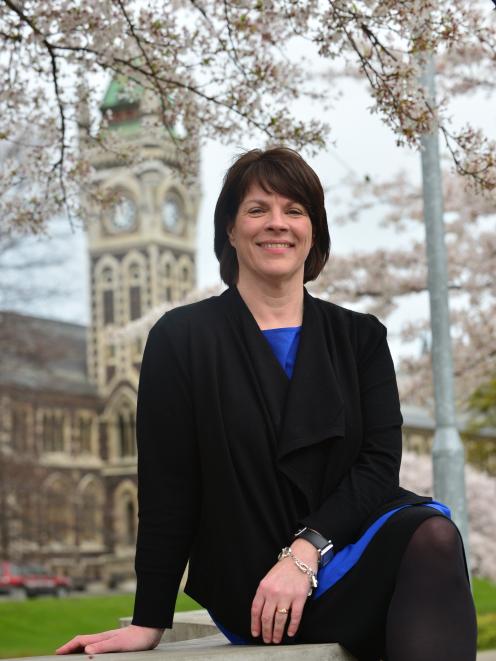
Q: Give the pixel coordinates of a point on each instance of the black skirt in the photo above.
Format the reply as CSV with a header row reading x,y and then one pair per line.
x,y
353,612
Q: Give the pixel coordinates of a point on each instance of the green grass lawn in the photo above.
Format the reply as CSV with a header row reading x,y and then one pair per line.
x,y
38,626
484,595
485,601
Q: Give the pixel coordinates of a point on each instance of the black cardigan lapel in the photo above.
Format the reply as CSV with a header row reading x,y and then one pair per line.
x,y
314,411
304,411
268,375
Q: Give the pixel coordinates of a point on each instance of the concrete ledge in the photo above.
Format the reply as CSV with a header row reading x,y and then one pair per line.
x,y
214,648
209,645
186,640
187,626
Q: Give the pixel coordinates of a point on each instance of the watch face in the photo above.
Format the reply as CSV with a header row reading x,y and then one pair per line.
x,y
172,213
124,215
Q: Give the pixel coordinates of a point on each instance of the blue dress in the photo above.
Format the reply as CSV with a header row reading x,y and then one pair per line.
x,y
284,343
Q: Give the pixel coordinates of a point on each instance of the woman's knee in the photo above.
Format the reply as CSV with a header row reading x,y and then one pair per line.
x,y
437,537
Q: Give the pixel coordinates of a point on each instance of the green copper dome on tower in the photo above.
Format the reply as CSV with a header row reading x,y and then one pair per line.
x,y
121,103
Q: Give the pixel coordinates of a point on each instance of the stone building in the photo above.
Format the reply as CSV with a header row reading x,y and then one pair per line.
x,y
68,493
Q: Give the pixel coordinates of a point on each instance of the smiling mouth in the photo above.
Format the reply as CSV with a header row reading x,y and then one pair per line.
x,y
273,244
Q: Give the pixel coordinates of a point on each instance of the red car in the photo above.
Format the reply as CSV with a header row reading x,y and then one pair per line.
x,y
30,580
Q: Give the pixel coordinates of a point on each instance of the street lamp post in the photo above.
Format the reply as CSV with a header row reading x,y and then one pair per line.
x,y
448,452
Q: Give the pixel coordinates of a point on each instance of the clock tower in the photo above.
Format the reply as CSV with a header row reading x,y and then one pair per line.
x,y
141,232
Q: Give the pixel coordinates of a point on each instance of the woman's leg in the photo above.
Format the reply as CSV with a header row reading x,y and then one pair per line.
x,y
431,616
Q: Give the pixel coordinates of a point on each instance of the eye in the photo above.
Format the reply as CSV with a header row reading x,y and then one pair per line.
x,y
294,211
255,210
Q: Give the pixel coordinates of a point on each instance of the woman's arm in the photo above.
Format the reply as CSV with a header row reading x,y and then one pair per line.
x,y
374,475
168,475
168,495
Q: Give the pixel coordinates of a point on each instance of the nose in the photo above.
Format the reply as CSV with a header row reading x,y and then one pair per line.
x,y
276,219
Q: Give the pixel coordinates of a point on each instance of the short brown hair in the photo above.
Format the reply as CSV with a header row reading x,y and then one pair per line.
x,y
283,171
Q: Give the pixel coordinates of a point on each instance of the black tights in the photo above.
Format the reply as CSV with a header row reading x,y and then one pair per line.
x,y
431,616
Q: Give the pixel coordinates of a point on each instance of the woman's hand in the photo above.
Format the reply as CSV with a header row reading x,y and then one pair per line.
x,y
284,587
127,639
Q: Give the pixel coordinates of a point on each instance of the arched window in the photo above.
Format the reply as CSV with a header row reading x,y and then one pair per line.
x,y
53,432
47,432
137,353
185,276
106,311
108,307
135,302
130,524
126,431
91,513
125,509
85,435
88,514
57,511
19,434
123,435
110,361
108,299
59,433
167,277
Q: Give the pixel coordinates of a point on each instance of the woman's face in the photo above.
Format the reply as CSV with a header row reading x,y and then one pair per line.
x,y
272,236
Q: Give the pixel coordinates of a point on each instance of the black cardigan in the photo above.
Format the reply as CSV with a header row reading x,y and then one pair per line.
x,y
233,456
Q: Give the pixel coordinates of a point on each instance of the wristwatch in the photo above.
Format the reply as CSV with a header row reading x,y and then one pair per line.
x,y
324,546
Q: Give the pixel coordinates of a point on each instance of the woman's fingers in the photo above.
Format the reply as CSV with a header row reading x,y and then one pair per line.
x,y
280,619
284,588
268,621
114,644
80,642
296,613
128,639
256,613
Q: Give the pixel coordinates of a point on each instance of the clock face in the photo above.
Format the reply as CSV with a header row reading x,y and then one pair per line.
x,y
124,215
172,213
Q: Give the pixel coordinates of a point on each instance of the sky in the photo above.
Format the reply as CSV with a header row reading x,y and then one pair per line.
x,y
362,144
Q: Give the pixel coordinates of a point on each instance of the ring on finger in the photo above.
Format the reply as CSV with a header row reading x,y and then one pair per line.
x,y
283,611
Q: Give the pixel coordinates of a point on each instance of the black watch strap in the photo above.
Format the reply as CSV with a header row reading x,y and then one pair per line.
x,y
324,546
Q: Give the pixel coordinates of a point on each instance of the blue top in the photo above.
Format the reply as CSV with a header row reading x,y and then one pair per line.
x,y
284,343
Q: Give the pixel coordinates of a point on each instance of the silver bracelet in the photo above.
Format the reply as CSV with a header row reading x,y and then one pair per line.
x,y
288,553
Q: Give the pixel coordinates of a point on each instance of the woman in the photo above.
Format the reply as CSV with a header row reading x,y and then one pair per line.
x,y
269,427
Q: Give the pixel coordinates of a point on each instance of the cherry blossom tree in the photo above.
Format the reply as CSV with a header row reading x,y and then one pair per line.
x,y
381,279
221,69
24,256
